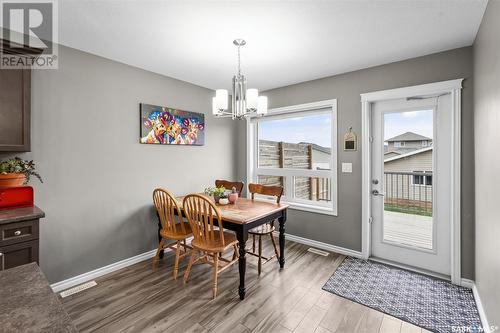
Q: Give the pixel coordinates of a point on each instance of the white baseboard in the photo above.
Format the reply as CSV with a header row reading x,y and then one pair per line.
x,y
85,277
480,309
82,278
324,246
482,314
467,283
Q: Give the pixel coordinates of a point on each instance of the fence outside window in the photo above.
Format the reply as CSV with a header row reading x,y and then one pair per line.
x,y
273,154
408,192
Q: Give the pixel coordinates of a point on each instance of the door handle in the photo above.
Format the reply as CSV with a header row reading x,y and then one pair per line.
x,y
377,193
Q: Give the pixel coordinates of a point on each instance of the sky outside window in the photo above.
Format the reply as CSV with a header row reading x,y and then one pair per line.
x,y
312,129
419,122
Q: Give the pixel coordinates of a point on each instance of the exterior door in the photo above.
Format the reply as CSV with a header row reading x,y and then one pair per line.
x,y
411,182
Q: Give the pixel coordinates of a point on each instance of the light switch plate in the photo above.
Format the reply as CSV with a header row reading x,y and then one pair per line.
x,y
347,167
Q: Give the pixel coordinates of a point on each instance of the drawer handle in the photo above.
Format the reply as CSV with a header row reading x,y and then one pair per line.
x,y
17,232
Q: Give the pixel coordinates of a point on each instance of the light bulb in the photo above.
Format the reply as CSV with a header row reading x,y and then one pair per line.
x,y
221,98
252,99
215,110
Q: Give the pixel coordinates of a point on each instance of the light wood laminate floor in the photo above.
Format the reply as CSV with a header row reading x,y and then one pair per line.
x,y
136,299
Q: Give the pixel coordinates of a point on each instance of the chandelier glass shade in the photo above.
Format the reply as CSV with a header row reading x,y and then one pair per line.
x,y
245,102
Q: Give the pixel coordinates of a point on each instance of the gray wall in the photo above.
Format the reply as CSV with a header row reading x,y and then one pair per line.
x,y
345,229
98,178
487,140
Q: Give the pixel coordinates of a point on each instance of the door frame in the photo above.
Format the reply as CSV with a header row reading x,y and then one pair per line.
x,y
454,87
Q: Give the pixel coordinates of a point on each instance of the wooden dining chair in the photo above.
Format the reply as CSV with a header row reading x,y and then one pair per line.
x,y
265,229
172,228
228,185
208,242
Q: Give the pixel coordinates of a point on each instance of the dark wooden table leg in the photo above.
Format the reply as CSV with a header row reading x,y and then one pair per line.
x,y
282,221
242,236
159,236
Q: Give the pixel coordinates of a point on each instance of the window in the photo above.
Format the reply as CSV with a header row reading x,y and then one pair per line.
x,y
295,147
399,144
424,143
428,179
422,178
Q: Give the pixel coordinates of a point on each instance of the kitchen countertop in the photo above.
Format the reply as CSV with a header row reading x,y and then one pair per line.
x,y
28,304
9,215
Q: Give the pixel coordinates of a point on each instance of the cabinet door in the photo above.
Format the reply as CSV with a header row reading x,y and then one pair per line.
x,y
18,254
15,85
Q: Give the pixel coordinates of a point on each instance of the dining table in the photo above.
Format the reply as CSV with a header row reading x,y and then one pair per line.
x,y
242,216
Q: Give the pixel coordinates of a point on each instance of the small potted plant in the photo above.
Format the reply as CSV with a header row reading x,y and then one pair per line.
x,y
16,172
217,192
223,200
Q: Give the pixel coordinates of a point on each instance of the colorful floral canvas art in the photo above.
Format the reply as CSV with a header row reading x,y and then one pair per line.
x,y
168,126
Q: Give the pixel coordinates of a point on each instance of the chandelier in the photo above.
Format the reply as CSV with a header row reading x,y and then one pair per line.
x,y
245,102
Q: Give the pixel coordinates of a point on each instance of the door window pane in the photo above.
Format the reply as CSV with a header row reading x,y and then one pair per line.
x,y
408,178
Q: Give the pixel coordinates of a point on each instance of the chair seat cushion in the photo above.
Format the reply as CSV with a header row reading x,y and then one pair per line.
x,y
178,235
215,245
262,229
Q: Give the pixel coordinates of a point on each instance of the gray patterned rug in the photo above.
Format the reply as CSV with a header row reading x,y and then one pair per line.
x,y
431,303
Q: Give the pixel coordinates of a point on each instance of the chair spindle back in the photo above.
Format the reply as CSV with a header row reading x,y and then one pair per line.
x,y
203,217
166,206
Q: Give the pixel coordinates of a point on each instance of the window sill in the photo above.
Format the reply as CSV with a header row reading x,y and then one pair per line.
x,y
304,207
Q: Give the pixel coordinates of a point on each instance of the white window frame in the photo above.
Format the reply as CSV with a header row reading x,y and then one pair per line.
x,y
321,107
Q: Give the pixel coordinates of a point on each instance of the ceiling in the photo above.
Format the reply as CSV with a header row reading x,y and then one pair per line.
x,y
287,41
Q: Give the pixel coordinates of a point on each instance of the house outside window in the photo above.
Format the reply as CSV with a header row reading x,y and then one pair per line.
x,y
295,147
422,178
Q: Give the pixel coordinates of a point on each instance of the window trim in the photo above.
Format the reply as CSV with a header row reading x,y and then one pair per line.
x,y
253,170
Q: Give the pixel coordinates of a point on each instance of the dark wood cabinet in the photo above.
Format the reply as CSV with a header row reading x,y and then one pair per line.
x,y
15,109
18,254
17,232
19,236
15,101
